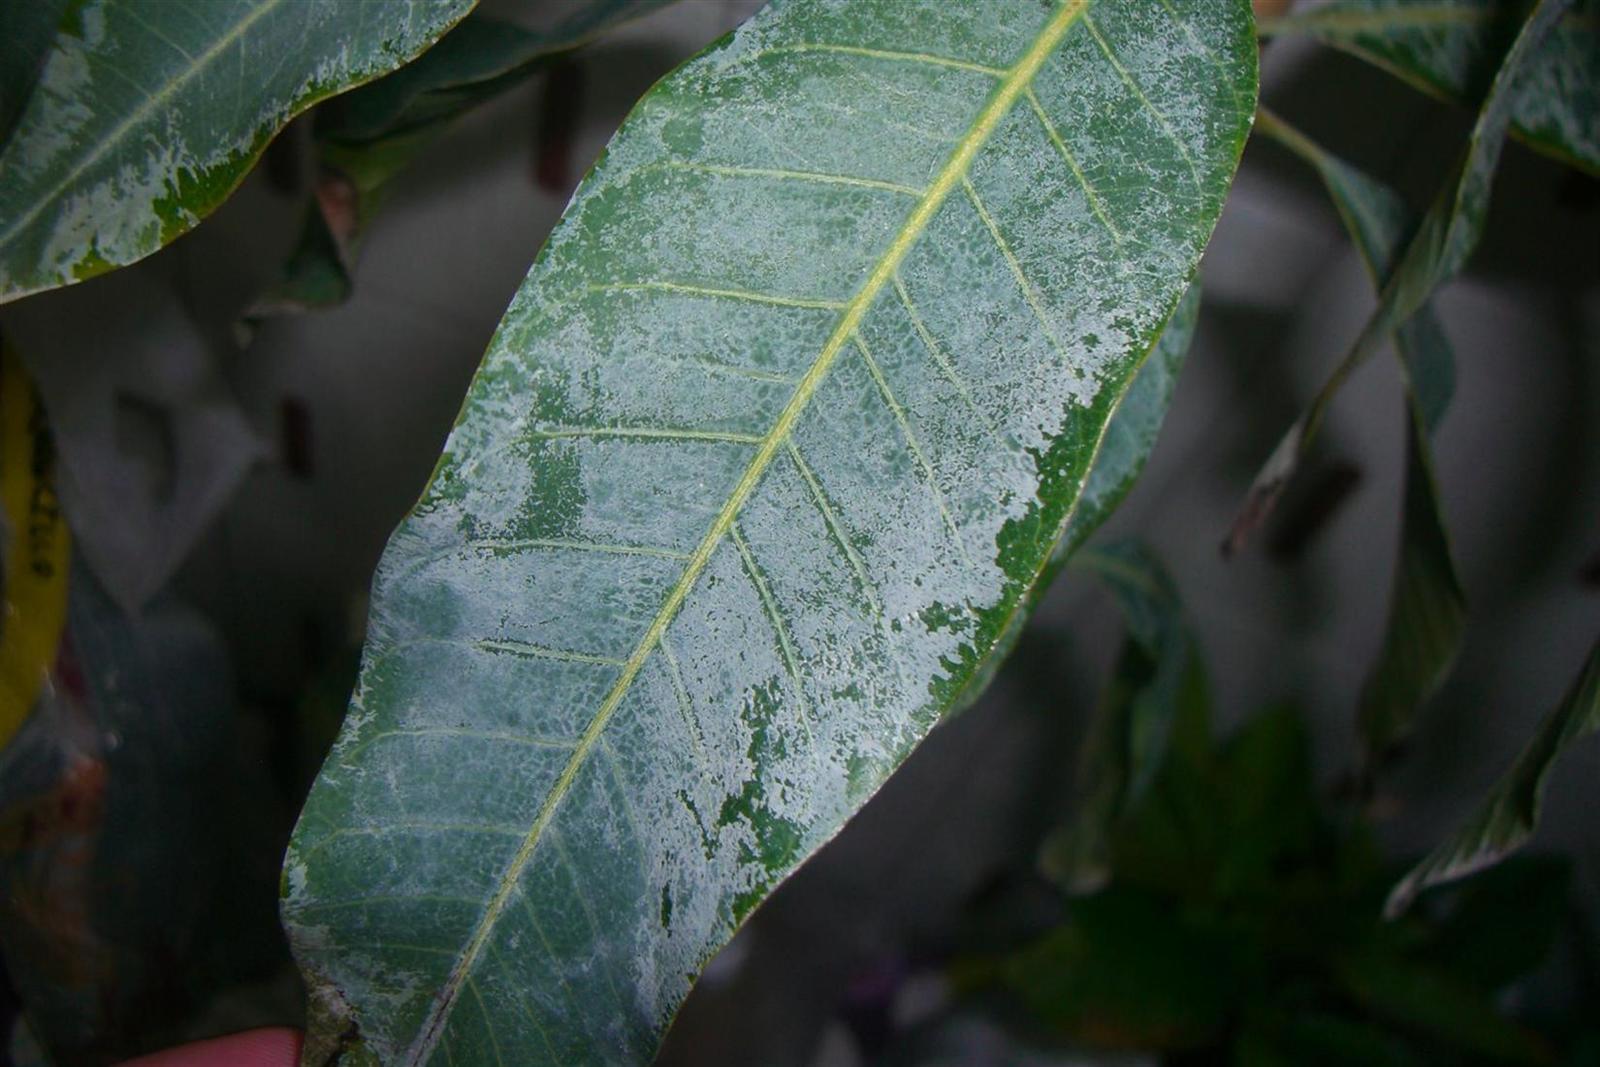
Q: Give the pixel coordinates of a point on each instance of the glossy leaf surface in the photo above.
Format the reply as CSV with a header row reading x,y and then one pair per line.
x,y
1509,815
1435,253
1451,48
770,448
1427,608
146,116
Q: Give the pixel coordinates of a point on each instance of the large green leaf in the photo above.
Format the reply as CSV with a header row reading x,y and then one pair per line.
x,y
147,115
1435,253
367,138
1508,816
1427,608
1451,47
771,446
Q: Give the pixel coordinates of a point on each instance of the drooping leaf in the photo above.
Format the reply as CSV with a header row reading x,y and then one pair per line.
x,y
1427,612
1435,253
1157,686
148,115
366,138
1379,224
1509,814
1428,608
1450,48
776,438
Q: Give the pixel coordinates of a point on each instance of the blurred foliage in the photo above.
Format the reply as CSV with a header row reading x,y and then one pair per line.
x,y
1240,917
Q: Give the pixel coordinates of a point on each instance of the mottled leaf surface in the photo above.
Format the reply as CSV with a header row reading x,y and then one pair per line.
x,y
147,115
1452,47
1427,606
1131,434
1124,447
768,451
1435,253
1509,814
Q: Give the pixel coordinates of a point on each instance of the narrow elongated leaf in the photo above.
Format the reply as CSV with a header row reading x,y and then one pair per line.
x,y
147,115
1158,684
1435,254
367,138
1451,47
1427,612
1510,813
1428,609
772,445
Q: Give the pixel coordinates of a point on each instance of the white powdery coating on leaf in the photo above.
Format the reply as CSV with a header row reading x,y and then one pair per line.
x,y
145,117
700,566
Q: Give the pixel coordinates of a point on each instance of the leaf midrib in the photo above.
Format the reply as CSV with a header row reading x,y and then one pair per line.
x,y
1016,80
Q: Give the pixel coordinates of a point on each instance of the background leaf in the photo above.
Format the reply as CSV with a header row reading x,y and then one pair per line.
x,y
1428,608
776,439
1157,686
1435,253
366,138
1507,817
1127,970
1451,47
1503,921
1427,612
147,116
